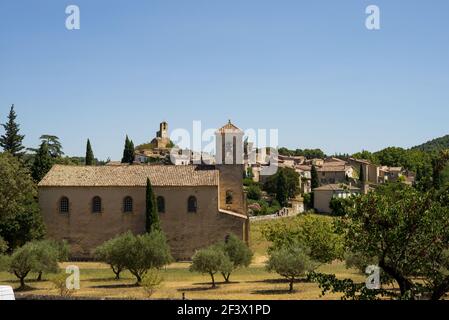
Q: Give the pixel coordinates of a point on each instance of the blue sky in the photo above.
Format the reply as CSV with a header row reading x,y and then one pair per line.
x,y
309,68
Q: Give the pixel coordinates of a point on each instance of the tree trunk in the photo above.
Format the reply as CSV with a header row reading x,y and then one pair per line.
x,y
116,272
226,276
404,283
291,285
22,282
439,291
213,280
39,276
139,279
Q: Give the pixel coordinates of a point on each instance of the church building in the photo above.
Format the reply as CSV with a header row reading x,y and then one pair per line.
x,y
198,204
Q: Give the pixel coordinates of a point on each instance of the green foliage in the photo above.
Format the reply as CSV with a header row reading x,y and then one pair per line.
x,y
317,234
3,246
307,198
434,145
262,207
151,281
239,254
112,253
152,216
60,284
53,143
42,162
47,254
339,205
20,219
253,192
11,141
90,159
308,153
315,181
291,262
138,254
285,183
210,261
407,233
128,151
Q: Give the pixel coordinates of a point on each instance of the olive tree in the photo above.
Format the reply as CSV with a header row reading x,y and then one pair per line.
x,y
238,253
291,263
210,261
112,253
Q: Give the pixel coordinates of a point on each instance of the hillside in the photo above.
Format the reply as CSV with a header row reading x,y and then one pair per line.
x,y
434,145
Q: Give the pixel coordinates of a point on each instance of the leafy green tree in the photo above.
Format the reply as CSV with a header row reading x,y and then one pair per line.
x,y
90,159
47,255
291,263
361,174
112,253
253,192
406,232
315,181
210,261
238,252
439,163
54,146
20,218
151,213
11,141
144,252
3,246
291,182
42,162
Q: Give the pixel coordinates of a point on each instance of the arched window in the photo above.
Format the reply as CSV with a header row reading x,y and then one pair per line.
x,y
64,205
229,197
96,205
192,204
128,204
160,204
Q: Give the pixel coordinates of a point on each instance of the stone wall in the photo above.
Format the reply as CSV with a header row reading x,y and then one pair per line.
x,y
186,232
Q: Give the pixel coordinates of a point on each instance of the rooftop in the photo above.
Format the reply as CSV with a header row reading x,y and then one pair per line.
x,y
336,187
130,176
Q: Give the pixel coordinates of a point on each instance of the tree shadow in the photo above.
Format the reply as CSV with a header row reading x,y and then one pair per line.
x,y
216,282
198,289
26,288
116,286
109,279
279,281
273,291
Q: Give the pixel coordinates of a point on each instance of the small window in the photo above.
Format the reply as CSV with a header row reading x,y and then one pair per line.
x,y
64,205
128,204
160,204
192,204
96,205
229,197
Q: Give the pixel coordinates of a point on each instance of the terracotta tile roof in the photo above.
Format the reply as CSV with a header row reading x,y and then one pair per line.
x,y
336,187
130,175
333,168
229,127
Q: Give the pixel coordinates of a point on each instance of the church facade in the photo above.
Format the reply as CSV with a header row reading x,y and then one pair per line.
x,y
198,205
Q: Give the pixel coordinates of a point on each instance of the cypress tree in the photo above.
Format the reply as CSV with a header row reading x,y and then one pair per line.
x,y
315,182
11,141
152,217
131,152
361,175
128,151
282,189
89,154
42,162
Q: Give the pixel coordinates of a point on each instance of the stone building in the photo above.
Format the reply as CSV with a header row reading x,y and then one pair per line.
x,y
198,204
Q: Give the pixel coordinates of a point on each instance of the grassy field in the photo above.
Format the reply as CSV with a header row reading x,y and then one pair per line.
x,y
97,280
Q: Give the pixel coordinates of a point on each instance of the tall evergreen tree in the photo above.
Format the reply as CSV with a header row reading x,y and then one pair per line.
x,y
11,141
128,151
361,175
42,162
152,216
282,189
90,160
315,182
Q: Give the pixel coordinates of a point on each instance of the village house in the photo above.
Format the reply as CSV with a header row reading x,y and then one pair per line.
x,y
198,204
323,195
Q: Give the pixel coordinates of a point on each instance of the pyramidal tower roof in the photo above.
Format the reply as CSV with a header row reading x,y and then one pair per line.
x,y
228,128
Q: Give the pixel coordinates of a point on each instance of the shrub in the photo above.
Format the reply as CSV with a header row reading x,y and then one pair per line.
x,y
254,192
22,262
3,246
151,281
210,261
291,263
60,283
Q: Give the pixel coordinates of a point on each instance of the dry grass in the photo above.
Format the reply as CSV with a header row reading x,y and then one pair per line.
x,y
97,280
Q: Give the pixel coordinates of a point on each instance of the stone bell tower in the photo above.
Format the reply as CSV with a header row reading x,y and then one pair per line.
x,y
229,161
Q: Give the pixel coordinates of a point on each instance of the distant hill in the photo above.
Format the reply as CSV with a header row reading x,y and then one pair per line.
x,y
434,145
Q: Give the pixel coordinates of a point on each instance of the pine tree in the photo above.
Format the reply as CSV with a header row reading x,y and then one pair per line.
x,y
42,162
315,182
152,217
90,161
11,141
